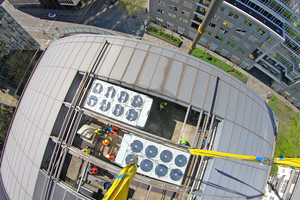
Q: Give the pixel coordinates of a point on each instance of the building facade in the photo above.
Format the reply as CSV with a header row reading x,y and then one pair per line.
x,y
18,53
283,186
262,33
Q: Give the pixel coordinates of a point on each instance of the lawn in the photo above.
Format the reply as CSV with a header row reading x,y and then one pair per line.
x,y
288,143
220,64
164,35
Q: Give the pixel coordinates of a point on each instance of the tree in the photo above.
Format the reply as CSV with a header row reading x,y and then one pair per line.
x,y
5,118
274,170
132,6
18,63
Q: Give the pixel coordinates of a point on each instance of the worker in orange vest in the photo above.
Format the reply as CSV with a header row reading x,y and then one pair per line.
x,y
114,130
110,156
106,142
92,170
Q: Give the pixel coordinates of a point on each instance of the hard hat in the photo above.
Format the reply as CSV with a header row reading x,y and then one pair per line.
x,y
89,170
106,140
110,128
165,103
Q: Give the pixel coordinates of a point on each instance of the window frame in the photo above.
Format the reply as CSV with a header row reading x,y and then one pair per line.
x,y
229,44
220,39
162,13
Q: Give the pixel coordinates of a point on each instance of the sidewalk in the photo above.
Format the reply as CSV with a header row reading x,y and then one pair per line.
x,y
255,84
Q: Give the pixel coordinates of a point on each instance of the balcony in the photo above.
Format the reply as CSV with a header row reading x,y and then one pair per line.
x,y
205,2
201,10
198,19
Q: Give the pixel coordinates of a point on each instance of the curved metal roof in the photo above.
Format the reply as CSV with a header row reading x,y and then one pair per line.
x,y
247,121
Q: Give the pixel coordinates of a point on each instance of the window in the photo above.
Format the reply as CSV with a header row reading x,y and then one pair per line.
x,y
219,38
161,11
169,26
159,21
259,31
205,2
212,25
234,59
223,31
230,44
185,21
174,8
227,23
247,23
217,18
241,31
188,4
221,9
235,38
185,13
201,10
176,1
208,32
233,15
224,52
240,50
247,45
252,38
172,15
161,3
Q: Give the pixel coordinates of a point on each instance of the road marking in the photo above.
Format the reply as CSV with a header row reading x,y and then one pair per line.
x,y
51,24
118,22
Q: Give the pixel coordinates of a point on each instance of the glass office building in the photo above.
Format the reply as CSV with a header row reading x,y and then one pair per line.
x,y
18,53
264,34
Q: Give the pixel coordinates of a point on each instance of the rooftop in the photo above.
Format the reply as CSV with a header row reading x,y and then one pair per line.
x,y
202,100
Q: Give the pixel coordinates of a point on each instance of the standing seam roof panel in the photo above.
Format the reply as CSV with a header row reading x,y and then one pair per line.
x,y
121,63
134,67
147,70
161,71
110,59
174,78
199,90
187,83
81,55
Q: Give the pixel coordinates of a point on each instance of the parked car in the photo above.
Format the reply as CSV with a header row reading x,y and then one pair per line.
x,y
52,15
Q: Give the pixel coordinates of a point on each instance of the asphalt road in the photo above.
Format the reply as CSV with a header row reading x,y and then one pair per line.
x,y
98,13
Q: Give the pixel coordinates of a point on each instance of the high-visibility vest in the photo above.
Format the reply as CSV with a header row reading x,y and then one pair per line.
x,y
162,105
94,171
87,150
105,143
110,155
183,141
114,130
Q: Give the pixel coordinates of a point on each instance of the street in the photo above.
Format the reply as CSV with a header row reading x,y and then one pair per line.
x,y
97,13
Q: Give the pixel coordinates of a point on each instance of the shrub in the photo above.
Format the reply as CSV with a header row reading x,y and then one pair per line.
x,y
220,64
164,35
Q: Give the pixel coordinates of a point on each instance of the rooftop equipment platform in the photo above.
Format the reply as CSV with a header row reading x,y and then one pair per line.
x,y
154,160
118,103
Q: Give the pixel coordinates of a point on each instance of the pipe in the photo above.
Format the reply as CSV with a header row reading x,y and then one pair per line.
x,y
184,122
212,10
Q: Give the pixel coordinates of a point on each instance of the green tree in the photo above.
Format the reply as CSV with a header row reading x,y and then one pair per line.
x,y
18,63
132,6
5,118
274,170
